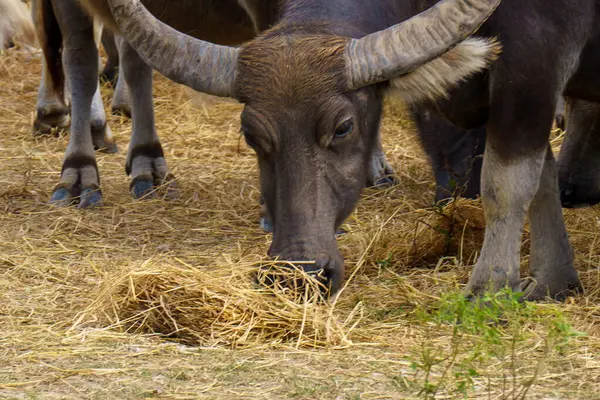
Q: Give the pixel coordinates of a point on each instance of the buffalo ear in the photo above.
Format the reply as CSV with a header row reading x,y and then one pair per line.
x,y
434,79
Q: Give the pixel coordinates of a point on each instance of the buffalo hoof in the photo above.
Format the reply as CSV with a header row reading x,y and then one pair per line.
x,y
146,188
51,122
89,197
103,139
385,182
142,188
380,173
556,288
121,110
109,75
266,225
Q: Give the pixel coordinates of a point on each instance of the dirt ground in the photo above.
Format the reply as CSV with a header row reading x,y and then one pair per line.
x,y
155,299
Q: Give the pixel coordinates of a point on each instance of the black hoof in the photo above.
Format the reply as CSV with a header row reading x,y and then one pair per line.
x,y
385,182
121,111
61,197
90,198
109,76
143,188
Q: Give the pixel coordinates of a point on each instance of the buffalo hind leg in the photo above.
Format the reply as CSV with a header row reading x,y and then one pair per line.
x,y
101,133
110,72
52,111
551,258
121,102
79,177
146,164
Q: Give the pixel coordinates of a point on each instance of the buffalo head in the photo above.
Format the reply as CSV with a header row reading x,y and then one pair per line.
x,y
313,104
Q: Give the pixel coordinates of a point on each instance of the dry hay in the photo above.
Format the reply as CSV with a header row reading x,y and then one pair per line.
x,y
158,298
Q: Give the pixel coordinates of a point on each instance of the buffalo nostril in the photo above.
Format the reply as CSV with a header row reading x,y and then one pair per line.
x,y
298,275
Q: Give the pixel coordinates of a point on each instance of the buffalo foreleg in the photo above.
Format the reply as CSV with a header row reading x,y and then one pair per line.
x,y
79,177
507,190
146,164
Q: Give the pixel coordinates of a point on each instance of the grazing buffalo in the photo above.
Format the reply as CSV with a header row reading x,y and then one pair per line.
x,y
66,34
312,89
312,86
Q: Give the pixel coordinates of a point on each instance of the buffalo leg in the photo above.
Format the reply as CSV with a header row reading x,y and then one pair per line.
x,y
121,102
79,177
455,154
52,111
145,158
551,259
560,115
101,133
109,73
518,177
507,190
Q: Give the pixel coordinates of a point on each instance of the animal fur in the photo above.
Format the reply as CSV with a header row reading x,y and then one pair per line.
x,y
434,79
15,24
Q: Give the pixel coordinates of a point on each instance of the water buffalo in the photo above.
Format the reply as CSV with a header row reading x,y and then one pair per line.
x,y
230,22
312,85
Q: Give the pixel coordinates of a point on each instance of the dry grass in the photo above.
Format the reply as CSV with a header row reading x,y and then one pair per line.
x,y
158,298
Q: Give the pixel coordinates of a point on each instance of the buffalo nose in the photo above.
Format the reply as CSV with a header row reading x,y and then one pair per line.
x,y
324,273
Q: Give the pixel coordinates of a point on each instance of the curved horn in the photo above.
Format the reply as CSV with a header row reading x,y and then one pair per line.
x,y
402,48
200,65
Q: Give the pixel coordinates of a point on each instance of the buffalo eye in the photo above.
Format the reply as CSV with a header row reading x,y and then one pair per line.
x,y
344,129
